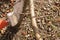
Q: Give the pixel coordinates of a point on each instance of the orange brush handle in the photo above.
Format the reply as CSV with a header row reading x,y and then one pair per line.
x,y
3,24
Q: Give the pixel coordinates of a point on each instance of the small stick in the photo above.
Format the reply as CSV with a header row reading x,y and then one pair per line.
x,y
34,23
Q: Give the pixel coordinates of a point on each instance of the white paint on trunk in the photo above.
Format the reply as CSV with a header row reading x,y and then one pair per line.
x,y
12,18
18,7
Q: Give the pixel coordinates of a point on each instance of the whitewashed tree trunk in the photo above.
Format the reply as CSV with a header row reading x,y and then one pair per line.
x,y
15,14
18,7
12,18
34,23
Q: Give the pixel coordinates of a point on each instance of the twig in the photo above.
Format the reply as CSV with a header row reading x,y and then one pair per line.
x,y
34,24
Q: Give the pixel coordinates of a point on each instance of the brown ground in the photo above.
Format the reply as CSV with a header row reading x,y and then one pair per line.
x,y
48,19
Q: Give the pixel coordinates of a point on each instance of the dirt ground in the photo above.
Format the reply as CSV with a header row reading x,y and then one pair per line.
x,y
47,17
